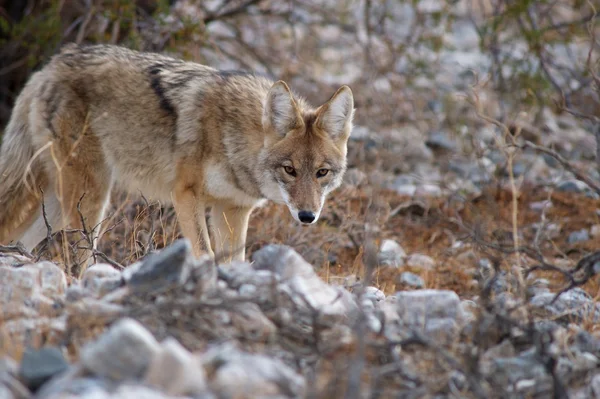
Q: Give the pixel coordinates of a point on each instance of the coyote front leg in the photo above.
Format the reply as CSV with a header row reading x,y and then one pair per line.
x,y
230,224
191,213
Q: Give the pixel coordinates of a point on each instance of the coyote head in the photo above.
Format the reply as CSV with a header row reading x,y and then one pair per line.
x,y
304,153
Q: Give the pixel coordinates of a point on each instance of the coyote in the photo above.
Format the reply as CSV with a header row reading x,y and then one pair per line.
x,y
180,132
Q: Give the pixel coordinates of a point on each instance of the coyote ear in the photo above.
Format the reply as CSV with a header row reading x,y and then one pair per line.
x,y
280,112
335,116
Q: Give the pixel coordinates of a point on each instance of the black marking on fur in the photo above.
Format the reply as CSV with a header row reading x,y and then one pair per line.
x,y
53,101
165,104
155,69
181,76
68,59
159,90
249,178
236,181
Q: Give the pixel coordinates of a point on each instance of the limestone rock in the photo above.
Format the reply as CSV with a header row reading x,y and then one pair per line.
x,y
123,352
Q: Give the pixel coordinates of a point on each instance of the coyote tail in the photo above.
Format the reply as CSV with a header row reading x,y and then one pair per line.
x,y
21,177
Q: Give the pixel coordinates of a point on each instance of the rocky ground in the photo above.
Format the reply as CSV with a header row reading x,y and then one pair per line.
x,y
172,326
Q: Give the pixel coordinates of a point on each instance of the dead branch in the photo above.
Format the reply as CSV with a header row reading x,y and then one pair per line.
x,y
49,236
579,175
18,248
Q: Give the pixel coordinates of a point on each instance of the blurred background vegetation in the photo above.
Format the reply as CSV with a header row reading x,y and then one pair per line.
x,y
533,52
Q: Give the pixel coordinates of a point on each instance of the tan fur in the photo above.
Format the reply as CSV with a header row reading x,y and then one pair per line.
x,y
175,131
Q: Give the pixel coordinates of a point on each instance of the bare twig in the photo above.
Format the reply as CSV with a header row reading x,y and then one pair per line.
x,y
586,266
219,14
18,248
87,235
149,247
579,175
48,239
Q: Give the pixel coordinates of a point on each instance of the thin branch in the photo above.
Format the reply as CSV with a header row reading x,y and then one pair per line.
x,y
18,248
48,239
230,13
579,175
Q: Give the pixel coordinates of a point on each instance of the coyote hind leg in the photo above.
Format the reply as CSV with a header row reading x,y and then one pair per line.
x,y
82,180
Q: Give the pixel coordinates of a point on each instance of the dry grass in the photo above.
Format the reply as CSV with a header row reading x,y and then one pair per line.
x,y
434,227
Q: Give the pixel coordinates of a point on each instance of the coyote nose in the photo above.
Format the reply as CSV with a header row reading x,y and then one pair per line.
x,y
306,216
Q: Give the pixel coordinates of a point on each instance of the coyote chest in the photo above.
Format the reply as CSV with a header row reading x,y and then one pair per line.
x,y
219,183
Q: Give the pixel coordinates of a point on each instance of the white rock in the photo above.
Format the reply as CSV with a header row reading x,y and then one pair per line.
x,y
469,309
10,386
123,352
52,279
429,303
430,6
249,321
411,280
374,294
391,254
247,290
575,303
300,283
23,283
420,261
540,205
405,189
595,386
437,313
312,293
13,259
18,284
525,385
175,371
282,260
99,276
382,84
236,374
127,391
131,270
428,190
28,290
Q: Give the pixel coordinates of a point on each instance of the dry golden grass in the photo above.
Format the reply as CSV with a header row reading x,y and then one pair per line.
x,y
334,246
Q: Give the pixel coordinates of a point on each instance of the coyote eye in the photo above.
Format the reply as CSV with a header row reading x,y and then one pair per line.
x,y
322,172
289,170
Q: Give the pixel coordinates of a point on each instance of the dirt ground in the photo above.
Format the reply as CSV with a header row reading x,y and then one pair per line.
x,y
456,232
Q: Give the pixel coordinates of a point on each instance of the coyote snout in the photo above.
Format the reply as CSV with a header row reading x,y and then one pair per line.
x,y
307,217
176,131
303,195
304,216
